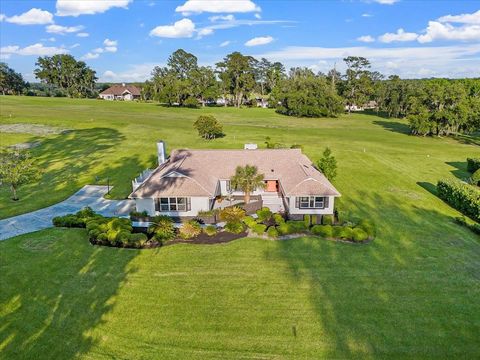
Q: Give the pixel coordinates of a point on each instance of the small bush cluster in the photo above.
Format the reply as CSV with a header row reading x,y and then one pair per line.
x,y
77,220
114,232
463,197
264,215
233,216
190,229
473,164
210,230
162,228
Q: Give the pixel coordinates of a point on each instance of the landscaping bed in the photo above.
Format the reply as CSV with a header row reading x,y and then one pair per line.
x,y
219,238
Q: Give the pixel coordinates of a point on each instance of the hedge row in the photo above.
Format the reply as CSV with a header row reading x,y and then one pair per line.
x,y
473,164
463,197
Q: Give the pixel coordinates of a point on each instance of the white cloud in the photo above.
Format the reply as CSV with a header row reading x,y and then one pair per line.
x,y
366,15
386,2
134,73
33,16
217,6
90,56
366,38
225,43
108,42
35,49
83,34
111,49
184,28
98,50
258,16
400,35
261,40
74,46
89,7
204,32
221,17
439,31
62,30
462,18
443,61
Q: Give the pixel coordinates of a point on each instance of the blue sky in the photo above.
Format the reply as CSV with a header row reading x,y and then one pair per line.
x,y
123,39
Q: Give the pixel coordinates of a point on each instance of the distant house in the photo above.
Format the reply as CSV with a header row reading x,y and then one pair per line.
x,y
191,181
121,92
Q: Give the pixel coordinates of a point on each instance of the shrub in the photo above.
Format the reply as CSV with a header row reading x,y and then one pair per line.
x,y
473,227
297,226
476,177
259,229
137,240
473,164
359,235
86,213
234,227
70,220
284,229
210,230
345,232
162,228
307,219
272,232
208,127
278,219
367,226
264,214
232,214
249,221
463,197
322,230
327,220
190,229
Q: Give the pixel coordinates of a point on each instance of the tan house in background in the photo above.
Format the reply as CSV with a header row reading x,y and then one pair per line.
x,y
121,92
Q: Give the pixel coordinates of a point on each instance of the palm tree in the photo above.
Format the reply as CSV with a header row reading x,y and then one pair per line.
x,y
247,179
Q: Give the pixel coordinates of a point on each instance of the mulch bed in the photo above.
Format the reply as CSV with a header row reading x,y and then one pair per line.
x,y
221,237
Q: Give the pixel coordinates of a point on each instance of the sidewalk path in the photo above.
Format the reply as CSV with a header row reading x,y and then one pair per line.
x,y
89,195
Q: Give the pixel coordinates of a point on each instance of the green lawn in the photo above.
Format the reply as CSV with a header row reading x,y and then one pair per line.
x,y
413,292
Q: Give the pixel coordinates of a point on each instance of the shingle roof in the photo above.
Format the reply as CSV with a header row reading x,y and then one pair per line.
x,y
196,172
118,90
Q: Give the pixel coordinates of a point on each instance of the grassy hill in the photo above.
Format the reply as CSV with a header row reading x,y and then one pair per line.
x,y
413,292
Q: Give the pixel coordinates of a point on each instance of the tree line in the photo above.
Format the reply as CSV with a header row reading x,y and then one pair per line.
x,y
432,106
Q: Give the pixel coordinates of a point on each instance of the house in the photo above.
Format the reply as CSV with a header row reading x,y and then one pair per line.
x,y
190,181
121,92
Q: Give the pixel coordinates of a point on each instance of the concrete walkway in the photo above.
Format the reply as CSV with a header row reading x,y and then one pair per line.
x,y
89,195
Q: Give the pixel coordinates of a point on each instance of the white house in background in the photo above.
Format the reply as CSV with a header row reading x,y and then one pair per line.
x,y
121,92
190,181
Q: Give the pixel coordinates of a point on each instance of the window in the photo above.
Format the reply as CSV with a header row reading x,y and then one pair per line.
x,y
312,202
172,204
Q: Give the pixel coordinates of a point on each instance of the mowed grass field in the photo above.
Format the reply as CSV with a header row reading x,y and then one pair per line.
x,y
413,292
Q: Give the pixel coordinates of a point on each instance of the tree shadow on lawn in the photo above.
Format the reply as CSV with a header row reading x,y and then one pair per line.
x,y
56,288
394,126
460,170
403,294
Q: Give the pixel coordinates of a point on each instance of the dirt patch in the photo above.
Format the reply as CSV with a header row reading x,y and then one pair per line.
x,y
34,129
219,238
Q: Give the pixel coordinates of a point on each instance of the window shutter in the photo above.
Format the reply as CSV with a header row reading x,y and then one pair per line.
x,y
297,202
157,204
325,202
189,205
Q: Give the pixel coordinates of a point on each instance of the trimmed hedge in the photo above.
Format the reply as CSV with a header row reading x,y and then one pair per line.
x,y
327,220
279,219
322,230
463,197
359,235
473,164
272,232
259,229
234,227
77,220
249,221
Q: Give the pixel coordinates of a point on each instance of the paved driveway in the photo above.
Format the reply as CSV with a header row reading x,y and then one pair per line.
x,y
89,195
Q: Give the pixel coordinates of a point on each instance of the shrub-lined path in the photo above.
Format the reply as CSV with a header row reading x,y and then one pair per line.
x,y
89,195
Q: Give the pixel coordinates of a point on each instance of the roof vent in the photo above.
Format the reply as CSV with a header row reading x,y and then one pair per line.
x,y
250,147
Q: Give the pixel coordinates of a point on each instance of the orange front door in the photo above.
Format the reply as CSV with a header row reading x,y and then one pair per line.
x,y
271,186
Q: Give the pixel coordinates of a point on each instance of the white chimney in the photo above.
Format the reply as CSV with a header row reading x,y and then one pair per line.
x,y
161,152
250,147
